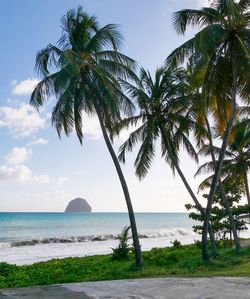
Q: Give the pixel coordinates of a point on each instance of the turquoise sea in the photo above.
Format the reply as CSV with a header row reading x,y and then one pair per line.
x,y
26,238
18,228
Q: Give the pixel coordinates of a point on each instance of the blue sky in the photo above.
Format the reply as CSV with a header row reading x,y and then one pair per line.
x,y
39,172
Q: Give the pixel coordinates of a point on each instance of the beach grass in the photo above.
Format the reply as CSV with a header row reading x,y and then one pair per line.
x,y
184,261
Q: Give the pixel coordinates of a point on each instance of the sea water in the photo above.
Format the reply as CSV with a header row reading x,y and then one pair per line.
x,y
26,238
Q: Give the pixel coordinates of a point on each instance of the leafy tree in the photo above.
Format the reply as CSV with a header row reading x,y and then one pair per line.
x,y
219,215
222,49
201,114
82,72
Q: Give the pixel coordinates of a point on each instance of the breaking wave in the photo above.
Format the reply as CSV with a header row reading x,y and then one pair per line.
x,y
178,232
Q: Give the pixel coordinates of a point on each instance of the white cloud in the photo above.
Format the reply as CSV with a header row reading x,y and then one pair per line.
x,y
38,141
92,130
91,127
24,87
199,3
21,121
21,174
190,3
204,3
61,180
18,155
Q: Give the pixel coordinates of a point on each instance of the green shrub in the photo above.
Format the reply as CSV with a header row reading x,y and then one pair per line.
x,y
224,243
7,269
197,243
121,252
176,243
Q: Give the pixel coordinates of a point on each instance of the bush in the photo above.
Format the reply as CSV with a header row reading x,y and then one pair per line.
x,y
197,243
121,252
7,269
224,243
176,243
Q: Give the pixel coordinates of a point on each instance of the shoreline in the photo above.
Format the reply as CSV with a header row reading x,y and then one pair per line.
x,y
181,261
27,255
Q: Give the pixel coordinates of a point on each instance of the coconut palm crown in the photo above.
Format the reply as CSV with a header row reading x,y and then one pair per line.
x,y
163,114
82,72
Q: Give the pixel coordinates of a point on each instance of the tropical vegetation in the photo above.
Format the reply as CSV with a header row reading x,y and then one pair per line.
x,y
198,101
220,52
184,261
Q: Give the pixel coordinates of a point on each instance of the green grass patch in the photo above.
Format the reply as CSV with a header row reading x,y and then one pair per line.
x,y
182,261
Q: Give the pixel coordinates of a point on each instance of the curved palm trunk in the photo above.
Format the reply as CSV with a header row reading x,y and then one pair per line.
x,y
247,187
136,243
219,164
223,193
199,207
190,191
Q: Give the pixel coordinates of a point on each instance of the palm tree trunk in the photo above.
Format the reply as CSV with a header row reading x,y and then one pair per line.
x,y
136,243
247,187
219,164
223,193
230,216
199,207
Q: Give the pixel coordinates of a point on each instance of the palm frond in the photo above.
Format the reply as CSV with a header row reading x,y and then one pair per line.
x,y
194,17
205,168
47,58
43,90
180,54
107,37
132,140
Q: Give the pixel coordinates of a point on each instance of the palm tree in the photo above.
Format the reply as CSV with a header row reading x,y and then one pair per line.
x,y
222,190
205,107
237,158
82,73
218,109
222,46
164,114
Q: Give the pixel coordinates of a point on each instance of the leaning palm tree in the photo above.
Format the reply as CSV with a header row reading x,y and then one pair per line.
x,y
201,116
222,47
204,108
164,114
82,72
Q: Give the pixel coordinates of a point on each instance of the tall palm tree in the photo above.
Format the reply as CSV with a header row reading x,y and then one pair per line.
x,y
164,114
223,47
204,108
237,158
82,72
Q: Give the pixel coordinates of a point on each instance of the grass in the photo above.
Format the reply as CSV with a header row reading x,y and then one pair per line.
x,y
184,261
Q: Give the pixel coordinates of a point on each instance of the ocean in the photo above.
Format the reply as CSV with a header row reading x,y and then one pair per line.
x,y
26,238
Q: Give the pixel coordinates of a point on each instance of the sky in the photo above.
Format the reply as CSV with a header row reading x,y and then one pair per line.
x,y
39,171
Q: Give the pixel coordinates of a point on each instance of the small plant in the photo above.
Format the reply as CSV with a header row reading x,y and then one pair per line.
x,y
7,269
121,252
197,243
176,243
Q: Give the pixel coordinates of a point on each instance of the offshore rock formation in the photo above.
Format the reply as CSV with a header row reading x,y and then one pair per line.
x,y
78,205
